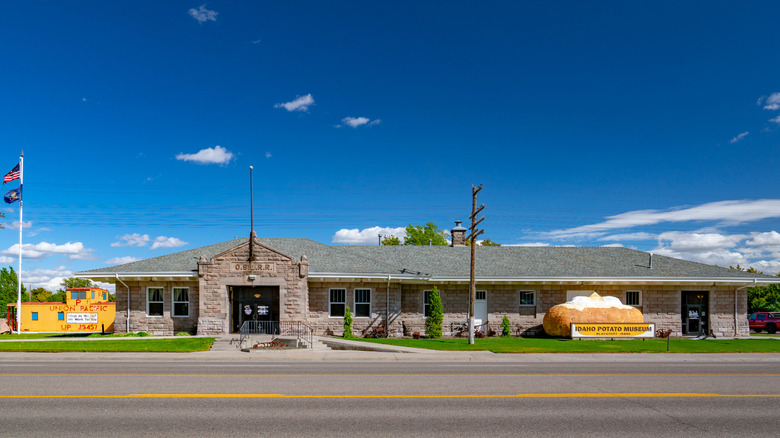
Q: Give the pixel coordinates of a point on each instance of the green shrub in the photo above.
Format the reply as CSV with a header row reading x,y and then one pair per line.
x,y
348,323
182,334
506,327
142,334
435,315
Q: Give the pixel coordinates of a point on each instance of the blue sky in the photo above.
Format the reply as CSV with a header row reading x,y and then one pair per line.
x,y
651,125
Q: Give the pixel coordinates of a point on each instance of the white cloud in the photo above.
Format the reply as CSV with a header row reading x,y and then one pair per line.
x,y
354,122
203,15
15,225
630,236
368,236
121,260
537,244
134,239
724,212
613,245
770,239
301,103
49,279
215,155
769,267
167,242
268,155
4,259
697,242
739,137
38,251
775,120
772,102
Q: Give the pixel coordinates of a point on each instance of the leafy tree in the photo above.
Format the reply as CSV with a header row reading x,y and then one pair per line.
x,y
390,240
764,298
71,282
750,269
40,295
486,242
9,284
435,315
57,297
348,323
506,327
425,235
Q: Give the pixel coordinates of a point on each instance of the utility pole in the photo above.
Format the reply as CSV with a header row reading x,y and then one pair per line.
x,y
473,239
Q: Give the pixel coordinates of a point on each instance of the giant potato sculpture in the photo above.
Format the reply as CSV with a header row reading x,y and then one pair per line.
x,y
593,309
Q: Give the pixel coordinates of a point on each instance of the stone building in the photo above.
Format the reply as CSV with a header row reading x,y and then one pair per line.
x,y
215,289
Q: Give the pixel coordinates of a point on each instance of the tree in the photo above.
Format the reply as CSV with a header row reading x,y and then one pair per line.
x,y
506,327
486,242
71,282
435,315
348,323
764,298
40,295
750,269
425,235
390,240
9,284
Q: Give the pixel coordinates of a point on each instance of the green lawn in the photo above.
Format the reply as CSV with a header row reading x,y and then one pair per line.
x,y
546,345
179,345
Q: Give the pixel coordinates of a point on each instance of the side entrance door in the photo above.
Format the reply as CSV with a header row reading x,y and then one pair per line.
x,y
480,308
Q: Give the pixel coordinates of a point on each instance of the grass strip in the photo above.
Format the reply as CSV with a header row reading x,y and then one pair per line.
x,y
546,345
183,345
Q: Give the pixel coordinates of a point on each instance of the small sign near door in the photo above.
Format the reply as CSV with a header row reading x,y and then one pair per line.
x,y
693,314
262,310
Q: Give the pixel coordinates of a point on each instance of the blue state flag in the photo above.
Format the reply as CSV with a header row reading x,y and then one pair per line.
x,y
13,195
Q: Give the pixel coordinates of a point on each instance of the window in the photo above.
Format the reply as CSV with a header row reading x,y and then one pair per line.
x,y
35,316
480,295
154,301
93,294
105,297
338,300
61,316
362,303
78,295
527,298
633,298
181,301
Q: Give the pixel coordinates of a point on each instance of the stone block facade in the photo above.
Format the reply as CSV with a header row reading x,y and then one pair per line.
x,y
395,304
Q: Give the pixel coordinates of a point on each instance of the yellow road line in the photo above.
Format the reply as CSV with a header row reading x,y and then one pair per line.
x,y
538,395
391,375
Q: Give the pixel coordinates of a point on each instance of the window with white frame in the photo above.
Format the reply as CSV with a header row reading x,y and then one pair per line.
x,y
78,295
527,298
362,303
181,301
633,298
154,301
337,302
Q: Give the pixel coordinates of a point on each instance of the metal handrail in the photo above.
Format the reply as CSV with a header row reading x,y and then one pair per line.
x,y
277,328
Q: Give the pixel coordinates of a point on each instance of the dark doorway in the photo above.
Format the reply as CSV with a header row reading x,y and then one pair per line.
x,y
248,303
694,312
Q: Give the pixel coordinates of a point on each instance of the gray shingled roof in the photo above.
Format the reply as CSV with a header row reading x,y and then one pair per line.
x,y
448,262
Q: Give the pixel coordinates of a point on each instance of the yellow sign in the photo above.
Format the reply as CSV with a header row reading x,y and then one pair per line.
x,y
603,330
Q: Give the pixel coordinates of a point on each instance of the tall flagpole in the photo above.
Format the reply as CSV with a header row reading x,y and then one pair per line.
x,y
19,274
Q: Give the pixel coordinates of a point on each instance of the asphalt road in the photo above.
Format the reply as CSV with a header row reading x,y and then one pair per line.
x,y
601,397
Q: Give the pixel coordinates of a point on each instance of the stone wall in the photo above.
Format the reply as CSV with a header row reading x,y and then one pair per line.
x,y
323,324
156,325
232,268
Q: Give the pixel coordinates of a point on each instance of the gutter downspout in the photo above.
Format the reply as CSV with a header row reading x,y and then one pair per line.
x,y
387,309
736,301
127,329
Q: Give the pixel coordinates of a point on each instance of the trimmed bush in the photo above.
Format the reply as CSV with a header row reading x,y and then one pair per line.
x,y
348,323
506,327
435,315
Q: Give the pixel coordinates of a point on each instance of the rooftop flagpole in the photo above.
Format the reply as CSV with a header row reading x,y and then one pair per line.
x,y
21,225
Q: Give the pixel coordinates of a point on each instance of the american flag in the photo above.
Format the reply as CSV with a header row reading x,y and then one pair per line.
x,y
12,175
